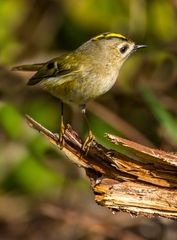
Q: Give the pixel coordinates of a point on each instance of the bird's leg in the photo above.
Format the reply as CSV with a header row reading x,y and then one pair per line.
x,y
62,128
89,139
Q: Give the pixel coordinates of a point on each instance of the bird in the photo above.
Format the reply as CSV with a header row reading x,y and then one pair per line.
x,y
83,74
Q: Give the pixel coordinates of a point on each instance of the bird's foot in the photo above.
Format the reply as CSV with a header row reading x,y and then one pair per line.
x,y
88,142
61,140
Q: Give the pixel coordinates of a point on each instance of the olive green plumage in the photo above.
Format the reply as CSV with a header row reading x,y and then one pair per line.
x,y
85,73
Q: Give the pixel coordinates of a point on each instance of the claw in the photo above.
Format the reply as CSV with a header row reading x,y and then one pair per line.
x,y
61,140
88,142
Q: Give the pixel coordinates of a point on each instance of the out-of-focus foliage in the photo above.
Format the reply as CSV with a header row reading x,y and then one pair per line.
x,y
165,118
142,106
11,14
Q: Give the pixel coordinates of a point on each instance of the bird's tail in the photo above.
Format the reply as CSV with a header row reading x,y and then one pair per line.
x,y
28,67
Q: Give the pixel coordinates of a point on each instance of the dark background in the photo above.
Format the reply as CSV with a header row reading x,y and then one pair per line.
x,y
42,194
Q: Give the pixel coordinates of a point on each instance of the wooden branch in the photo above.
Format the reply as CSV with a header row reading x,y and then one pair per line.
x,y
142,181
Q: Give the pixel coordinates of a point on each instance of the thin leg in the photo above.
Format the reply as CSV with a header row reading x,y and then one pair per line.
x,y
62,128
89,139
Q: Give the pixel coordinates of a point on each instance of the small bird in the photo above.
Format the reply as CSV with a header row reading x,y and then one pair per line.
x,y
83,74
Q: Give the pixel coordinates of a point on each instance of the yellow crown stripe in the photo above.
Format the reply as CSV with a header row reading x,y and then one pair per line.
x,y
98,37
116,35
109,35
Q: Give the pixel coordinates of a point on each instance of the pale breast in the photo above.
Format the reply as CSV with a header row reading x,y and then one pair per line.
x,y
82,88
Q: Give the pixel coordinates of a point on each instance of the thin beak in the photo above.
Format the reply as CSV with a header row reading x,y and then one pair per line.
x,y
139,46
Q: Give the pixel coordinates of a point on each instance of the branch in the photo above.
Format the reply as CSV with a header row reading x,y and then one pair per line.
x,y
142,181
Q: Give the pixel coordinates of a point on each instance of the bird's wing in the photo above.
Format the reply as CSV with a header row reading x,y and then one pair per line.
x,y
57,67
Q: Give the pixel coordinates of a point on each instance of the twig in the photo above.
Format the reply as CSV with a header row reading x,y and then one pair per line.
x,y
142,181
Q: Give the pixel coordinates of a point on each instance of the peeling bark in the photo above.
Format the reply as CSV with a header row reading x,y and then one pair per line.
x,y
142,181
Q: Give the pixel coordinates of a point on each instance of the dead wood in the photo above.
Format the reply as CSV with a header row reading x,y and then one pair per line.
x,y
141,181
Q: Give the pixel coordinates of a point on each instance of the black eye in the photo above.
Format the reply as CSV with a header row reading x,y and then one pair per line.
x,y
123,49
50,65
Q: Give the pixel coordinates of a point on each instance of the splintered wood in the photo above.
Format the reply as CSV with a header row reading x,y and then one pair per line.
x,y
141,180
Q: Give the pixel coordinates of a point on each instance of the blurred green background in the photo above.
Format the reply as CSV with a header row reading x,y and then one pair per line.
x,y
43,195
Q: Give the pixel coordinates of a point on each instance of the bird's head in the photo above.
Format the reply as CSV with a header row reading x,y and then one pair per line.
x,y
114,46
